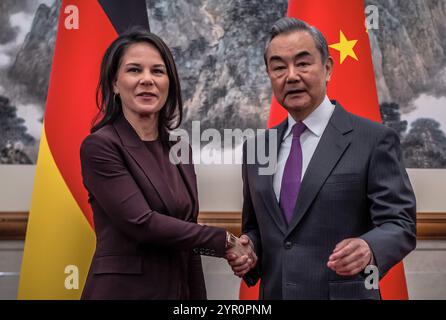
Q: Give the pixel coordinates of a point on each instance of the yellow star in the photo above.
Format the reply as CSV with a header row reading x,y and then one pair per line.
x,y
345,47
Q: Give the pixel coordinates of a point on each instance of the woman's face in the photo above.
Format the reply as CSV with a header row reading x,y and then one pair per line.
x,y
142,81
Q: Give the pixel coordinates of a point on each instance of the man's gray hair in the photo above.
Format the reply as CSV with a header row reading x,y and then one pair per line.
x,y
287,25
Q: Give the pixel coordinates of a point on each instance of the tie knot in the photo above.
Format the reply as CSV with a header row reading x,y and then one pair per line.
x,y
298,129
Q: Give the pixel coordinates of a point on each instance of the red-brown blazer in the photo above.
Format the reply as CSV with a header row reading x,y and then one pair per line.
x,y
144,249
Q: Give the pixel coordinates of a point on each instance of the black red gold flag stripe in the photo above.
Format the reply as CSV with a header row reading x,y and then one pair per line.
x,y
60,236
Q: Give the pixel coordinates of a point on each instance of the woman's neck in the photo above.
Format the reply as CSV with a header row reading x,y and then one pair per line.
x,y
145,126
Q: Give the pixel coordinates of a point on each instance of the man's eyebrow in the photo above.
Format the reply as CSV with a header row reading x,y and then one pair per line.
x,y
302,54
299,55
275,58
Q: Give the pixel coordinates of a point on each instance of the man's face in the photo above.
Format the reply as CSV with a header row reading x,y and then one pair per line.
x,y
298,75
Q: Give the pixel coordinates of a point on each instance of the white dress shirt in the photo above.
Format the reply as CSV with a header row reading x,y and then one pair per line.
x,y
316,123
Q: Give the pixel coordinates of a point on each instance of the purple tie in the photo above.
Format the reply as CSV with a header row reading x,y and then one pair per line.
x,y
292,174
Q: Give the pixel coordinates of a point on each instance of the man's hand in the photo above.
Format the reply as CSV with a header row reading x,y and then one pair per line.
x,y
242,257
350,257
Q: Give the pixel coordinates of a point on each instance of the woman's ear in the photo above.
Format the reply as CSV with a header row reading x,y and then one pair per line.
x,y
115,88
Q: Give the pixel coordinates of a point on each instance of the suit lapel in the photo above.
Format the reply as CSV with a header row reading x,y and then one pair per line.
x,y
332,145
187,173
138,151
269,199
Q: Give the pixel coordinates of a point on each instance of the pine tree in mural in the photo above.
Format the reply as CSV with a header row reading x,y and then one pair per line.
x,y
391,117
14,136
425,145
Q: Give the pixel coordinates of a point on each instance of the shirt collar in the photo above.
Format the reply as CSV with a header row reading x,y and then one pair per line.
x,y
315,121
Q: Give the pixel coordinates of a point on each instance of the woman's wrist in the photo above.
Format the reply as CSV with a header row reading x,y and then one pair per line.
x,y
231,240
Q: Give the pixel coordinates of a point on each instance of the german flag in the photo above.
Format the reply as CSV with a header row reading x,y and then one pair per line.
x,y
352,84
60,238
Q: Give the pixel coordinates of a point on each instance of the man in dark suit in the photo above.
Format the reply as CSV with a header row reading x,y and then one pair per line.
x,y
340,198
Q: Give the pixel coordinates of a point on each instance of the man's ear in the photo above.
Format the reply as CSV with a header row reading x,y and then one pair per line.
x,y
267,69
329,68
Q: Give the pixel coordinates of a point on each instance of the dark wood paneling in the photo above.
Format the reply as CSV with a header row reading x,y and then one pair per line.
x,y
13,225
230,221
430,225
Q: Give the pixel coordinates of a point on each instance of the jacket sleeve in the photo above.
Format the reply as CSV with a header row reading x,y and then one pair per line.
x,y
249,224
392,204
197,286
109,182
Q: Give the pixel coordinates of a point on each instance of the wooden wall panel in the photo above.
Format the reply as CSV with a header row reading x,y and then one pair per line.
x,y
430,225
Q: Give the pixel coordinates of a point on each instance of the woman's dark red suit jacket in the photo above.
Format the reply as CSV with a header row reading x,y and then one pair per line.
x,y
144,249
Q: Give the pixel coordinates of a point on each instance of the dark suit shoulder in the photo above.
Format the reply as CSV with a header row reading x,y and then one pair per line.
x,y
104,139
361,123
371,130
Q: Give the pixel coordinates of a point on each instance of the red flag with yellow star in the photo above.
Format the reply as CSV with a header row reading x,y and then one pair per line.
x,y
352,84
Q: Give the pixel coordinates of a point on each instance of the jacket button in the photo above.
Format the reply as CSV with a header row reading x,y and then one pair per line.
x,y
288,245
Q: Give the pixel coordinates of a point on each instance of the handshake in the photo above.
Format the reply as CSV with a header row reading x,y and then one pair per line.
x,y
240,254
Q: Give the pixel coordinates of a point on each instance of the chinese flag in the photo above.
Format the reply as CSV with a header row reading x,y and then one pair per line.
x,y
352,84
60,239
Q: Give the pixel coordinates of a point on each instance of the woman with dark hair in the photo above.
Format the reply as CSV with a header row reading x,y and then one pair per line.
x,y
145,207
